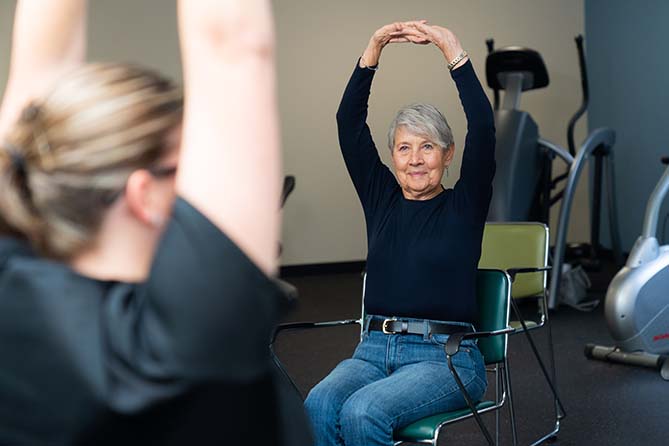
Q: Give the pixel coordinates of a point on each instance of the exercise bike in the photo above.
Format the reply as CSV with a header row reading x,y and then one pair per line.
x,y
637,300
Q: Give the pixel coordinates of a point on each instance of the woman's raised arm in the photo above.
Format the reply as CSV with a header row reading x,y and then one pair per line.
x,y
397,32
230,165
446,41
48,39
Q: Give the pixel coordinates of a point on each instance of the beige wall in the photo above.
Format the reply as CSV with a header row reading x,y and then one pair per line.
x,y
319,42
6,18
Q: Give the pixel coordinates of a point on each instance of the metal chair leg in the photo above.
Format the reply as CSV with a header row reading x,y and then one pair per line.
x,y
512,411
498,384
559,409
283,371
550,378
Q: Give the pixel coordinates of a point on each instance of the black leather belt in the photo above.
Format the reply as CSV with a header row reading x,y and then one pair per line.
x,y
398,326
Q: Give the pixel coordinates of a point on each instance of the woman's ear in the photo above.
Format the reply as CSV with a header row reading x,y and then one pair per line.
x,y
450,152
137,197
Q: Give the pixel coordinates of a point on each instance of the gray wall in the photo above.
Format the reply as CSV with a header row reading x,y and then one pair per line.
x,y
627,52
319,42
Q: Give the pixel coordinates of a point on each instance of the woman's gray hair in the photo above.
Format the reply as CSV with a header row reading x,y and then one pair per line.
x,y
425,120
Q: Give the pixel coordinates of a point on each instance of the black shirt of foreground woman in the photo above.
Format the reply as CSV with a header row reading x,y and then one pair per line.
x,y
180,359
422,255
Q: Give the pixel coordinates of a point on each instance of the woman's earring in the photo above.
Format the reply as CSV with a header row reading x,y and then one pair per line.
x,y
447,171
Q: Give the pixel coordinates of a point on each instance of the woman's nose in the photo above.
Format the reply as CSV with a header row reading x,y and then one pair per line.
x,y
416,157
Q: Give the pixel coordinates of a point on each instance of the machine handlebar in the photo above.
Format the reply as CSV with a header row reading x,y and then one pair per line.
x,y
586,95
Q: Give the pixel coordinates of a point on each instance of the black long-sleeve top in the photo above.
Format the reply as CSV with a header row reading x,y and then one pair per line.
x,y
422,255
181,358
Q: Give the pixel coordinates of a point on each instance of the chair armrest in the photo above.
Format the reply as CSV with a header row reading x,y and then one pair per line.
x,y
455,339
513,271
307,325
289,293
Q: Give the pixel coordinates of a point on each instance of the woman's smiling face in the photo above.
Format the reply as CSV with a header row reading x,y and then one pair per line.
x,y
419,164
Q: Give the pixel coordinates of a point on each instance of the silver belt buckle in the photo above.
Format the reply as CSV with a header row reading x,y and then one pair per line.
x,y
383,327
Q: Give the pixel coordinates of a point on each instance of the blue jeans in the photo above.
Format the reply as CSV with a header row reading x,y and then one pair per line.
x,y
390,382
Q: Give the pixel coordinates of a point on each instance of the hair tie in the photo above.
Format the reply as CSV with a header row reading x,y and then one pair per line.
x,y
33,116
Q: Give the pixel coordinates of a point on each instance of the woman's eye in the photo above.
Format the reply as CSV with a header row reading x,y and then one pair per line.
x,y
404,148
427,146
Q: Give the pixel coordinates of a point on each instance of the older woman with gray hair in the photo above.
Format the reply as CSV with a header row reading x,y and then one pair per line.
x,y
424,244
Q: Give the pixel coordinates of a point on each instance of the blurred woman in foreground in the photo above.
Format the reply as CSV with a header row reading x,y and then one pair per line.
x,y
135,294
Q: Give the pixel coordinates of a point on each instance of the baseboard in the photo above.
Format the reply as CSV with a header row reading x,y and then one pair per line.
x,y
322,268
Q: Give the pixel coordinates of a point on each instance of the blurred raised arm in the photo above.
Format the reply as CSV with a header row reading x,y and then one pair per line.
x,y
49,38
230,165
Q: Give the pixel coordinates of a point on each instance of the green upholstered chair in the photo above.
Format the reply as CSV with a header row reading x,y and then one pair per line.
x,y
493,288
521,249
493,296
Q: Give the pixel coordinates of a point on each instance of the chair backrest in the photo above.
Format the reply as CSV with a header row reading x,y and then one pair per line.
x,y
493,291
517,245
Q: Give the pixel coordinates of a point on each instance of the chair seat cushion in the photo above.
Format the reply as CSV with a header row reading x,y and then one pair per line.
x,y
425,428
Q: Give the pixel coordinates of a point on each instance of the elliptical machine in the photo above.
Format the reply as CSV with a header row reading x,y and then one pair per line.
x,y
523,187
520,178
637,300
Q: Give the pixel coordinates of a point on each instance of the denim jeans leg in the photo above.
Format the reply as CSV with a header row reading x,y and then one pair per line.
x,y
390,382
324,402
419,386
